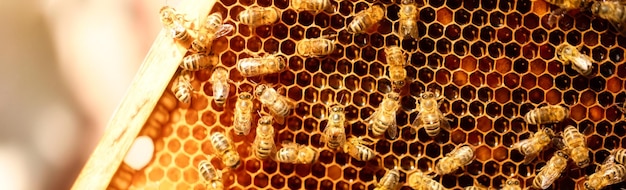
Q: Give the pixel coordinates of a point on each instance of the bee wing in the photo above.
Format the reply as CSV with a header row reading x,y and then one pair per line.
x,y
416,123
392,131
445,123
559,143
555,15
224,30
549,178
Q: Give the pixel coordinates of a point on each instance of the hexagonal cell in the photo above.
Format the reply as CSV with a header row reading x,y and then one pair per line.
x,y
539,35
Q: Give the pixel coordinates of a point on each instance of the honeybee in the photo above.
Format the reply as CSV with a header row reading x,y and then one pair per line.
x,y
335,133
211,175
257,16
316,47
429,116
408,14
212,28
459,157
219,83
576,145
419,180
225,150
366,18
620,156
608,173
242,121
396,60
512,184
389,181
312,5
198,61
257,66
263,144
384,118
551,171
356,147
613,11
175,24
182,89
296,154
278,105
546,115
475,187
531,147
567,54
564,6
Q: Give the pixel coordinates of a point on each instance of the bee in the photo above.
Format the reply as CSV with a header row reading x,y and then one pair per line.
x,y
243,114
335,133
551,171
213,27
257,16
389,181
620,156
366,19
568,54
312,5
174,23
408,14
182,89
264,141
396,60
564,6
219,83
576,145
356,147
460,156
429,116
512,184
316,47
608,173
384,118
257,66
296,154
419,180
546,115
210,175
531,147
613,11
278,105
198,61
225,150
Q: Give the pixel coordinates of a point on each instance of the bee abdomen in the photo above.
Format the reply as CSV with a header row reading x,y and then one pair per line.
x,y
620,156
263,149
364,153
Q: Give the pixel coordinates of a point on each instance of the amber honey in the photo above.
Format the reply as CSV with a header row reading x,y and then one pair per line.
x,y
492,61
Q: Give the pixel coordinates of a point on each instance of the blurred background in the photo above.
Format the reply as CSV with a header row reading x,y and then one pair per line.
x,y
66,65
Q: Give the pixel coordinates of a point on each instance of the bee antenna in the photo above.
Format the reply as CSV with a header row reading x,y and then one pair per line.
x,y
259,112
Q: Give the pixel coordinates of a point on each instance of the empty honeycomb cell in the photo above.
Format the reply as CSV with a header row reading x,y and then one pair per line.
x,y
479,17
494,110
485,94
389,162
278,181
509,139
509,110
478,49
519,95
494,80
603,128
570,97
605,99
311,95
598,54
502,95
475,138
522,35
302,138
483,153
556,37
574,38
545,81
512,50
611,142
599,24
553,97
492,139
477,79
476,108
492,168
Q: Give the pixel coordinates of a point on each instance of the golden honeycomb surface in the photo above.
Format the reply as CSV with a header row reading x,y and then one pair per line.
x,y
492,61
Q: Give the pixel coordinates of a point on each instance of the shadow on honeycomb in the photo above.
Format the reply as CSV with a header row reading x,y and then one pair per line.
x,y
493,61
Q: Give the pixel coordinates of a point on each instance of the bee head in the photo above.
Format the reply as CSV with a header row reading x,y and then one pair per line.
x,y
336,108
167,14
245,96
259,90
393,96
428,95
231,159
398,84
512,182
265,120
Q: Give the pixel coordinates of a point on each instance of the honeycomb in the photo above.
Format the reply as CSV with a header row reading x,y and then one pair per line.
x,y
493,61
